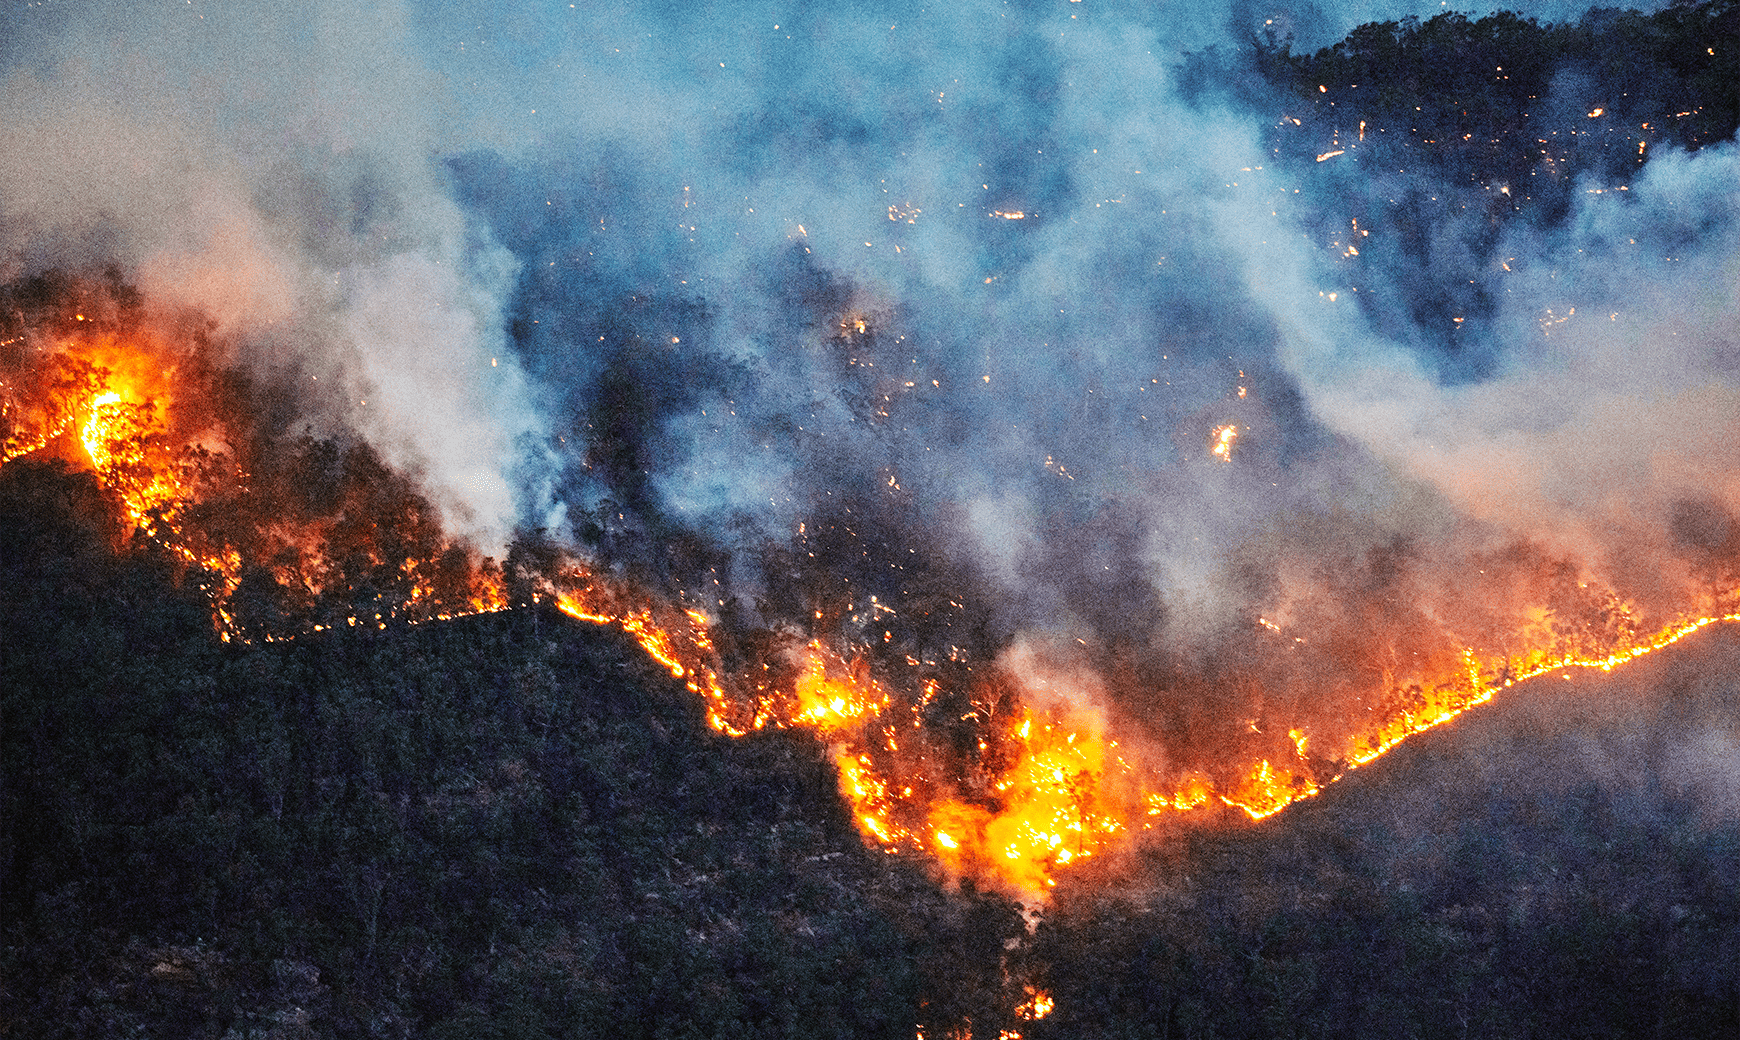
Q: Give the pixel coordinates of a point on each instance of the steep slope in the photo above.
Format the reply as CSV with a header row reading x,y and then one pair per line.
x,y
1557,863
512,824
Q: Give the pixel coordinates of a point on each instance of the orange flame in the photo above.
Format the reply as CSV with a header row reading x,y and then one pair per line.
x,y
1050,790
1037,1005
1221,445
833,703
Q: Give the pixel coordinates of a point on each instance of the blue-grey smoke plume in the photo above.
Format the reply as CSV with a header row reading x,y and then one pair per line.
x,y
964,292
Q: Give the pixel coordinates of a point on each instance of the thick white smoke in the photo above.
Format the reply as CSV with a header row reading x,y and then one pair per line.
x,y
1616,401
279,170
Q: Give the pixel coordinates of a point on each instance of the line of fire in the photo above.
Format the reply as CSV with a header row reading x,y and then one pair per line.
x,y
942,756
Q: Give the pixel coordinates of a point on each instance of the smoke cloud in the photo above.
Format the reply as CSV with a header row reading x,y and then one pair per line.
x,y
928,321
280,172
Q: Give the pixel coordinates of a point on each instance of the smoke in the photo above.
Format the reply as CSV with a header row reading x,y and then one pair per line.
x,y
278,171
924,323
1609,404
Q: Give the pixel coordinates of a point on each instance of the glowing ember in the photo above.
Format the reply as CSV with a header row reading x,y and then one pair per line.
x,y
1221,445
680,642
99,433
342,540
1037,1005
868,793
832,703
1050,810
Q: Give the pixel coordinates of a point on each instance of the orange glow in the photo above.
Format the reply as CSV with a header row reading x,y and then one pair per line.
x,y
99,429
118,405
1192,793
833,703
1050,809
680,642
1045,809
1037,1005
1268,790
872,805
1221,446
171,437
1043,790
118,438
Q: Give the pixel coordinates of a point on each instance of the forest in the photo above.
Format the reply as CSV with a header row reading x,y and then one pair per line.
x,y
516,824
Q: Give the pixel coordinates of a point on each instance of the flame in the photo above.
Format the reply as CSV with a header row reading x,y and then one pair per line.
x,y
1047,809
832,703
118,437
117,404
872,806
680,641
1221,445
1043,791
172,438
1061,799
1037,1005
99,431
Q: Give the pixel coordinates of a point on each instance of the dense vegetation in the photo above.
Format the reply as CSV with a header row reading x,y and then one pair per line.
x,y
1560,863
1473,97
515,825
503,825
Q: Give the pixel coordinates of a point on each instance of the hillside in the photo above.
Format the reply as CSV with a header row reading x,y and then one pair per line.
x,y
1557,863
511,824
516,824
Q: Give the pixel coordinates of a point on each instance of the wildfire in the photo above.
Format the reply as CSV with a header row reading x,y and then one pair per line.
x,y
1037,1005
1043,791
102,399
681,642
99,432
174,440
872,805
118,436
832,703
1048,810
1007,792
